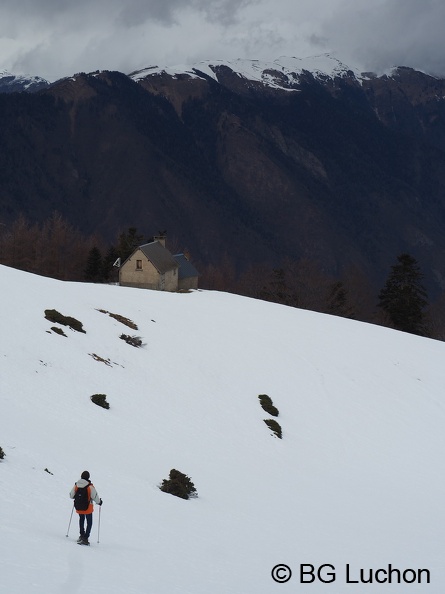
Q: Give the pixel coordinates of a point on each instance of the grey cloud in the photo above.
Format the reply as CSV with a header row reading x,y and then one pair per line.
x,y
46,9
223,11
166,12
395,33
131,12
58,37
318,41
136,12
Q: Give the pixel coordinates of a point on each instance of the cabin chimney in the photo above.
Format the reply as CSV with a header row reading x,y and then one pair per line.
x,y
161,239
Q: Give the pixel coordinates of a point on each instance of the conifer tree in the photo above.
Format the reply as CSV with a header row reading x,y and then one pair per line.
x,y
338,301
94,269
277,289
127,242
404,298
109,272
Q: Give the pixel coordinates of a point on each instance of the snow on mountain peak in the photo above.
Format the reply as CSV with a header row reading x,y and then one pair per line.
x,y
283,73
4,74
20,82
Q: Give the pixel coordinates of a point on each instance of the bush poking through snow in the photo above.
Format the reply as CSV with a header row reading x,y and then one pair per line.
x,y
267,405
100,400
57,318
179,485
135,341
2,454
58,331
121,319
101,359
275,427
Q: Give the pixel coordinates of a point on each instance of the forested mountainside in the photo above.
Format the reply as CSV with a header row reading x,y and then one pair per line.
x,y
286,164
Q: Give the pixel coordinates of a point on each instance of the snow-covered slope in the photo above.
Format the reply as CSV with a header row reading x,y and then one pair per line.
x,y
284,72
357,478
12,83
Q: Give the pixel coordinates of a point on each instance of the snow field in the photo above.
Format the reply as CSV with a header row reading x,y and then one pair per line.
x,y
356,478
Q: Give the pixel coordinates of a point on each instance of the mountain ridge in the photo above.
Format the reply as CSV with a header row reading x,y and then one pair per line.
x,y
342,171
321,66
13,83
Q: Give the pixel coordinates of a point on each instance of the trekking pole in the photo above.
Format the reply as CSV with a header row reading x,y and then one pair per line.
x,y
98,525
71,516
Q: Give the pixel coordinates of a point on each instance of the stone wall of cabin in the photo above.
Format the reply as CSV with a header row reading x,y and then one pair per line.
x,y
186,284
148,276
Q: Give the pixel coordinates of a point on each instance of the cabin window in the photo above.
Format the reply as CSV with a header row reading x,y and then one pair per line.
x,y
138,264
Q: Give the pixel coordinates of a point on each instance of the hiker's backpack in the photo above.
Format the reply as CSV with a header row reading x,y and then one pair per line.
x,y
81,498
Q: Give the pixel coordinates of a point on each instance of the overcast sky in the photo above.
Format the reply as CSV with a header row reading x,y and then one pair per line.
x,y
55,38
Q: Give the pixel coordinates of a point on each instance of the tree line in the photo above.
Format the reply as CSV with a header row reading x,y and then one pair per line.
x,y
401,304
53,248
56,249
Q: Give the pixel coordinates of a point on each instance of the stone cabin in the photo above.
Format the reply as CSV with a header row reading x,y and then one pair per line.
x,y
152,266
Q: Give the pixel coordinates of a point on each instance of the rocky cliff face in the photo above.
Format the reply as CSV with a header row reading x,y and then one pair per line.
x,y
257,162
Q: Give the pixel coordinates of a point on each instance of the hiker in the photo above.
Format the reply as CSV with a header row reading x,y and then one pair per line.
x,y
84,493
